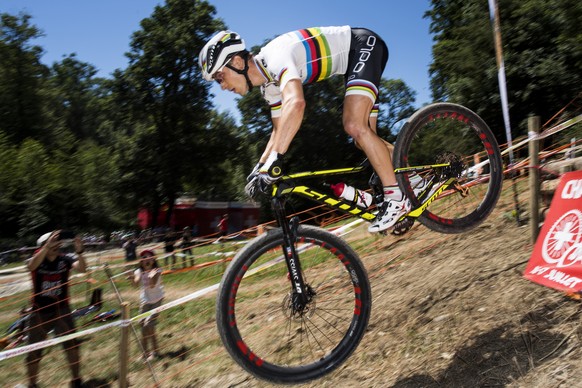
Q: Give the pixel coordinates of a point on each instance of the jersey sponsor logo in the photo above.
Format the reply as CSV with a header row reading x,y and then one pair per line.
x,y
365,54
51,289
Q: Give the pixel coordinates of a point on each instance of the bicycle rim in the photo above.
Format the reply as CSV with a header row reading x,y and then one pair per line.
x,y
451,133
257,323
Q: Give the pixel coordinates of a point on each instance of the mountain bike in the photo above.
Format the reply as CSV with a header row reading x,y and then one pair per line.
x,y
295,302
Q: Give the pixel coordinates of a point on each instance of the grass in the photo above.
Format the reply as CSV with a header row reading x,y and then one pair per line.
x,y
192,352
103,346
187,332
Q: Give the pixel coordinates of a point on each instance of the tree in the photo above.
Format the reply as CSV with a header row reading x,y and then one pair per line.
x,y
543,59
72,98
8,152
99,172
396,105
227,145
169,99
21,76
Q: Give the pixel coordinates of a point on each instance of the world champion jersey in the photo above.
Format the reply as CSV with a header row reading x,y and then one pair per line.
x,y
311,55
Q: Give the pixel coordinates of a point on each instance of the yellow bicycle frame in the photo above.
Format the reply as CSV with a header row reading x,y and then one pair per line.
x,y
286,185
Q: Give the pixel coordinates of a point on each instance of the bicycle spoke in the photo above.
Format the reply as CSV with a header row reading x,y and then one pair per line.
x,y
462,146
268,326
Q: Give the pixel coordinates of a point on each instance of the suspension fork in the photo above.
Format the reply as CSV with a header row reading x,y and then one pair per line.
x,y
289,229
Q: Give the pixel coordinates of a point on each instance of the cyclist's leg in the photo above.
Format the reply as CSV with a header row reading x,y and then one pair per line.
x,y
368,57
355,120
373,122
356,124
373,119
367,60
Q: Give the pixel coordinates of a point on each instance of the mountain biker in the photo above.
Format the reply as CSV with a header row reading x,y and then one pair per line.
x,y
302,57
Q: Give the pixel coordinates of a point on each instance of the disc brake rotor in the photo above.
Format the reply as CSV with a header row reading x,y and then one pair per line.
x,y
455,165
293,310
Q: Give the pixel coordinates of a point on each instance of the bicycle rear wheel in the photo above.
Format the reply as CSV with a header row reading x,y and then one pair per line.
x,y
451,133
254,314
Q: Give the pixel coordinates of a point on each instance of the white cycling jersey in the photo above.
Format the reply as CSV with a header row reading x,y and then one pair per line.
x,y
311,55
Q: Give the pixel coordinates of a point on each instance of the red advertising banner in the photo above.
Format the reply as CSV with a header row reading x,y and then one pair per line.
x,y
556,261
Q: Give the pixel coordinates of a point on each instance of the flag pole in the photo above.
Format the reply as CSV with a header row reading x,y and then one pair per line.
x,y
494,16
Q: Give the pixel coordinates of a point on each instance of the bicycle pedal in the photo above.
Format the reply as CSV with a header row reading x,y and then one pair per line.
x,y
403,226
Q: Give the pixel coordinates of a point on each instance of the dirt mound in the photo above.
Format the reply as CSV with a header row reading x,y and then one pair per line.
x,y
448,311
455,311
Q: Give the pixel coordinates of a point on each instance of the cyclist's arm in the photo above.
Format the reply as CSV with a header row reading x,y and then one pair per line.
x,y
286,126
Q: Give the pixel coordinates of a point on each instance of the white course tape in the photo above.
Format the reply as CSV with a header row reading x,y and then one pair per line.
x,y
176,302
55,341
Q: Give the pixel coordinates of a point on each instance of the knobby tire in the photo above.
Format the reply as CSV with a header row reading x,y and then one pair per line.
x,y
444,132
254,315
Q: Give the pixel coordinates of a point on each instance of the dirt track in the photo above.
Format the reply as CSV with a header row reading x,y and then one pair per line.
x,y
459,314
448,311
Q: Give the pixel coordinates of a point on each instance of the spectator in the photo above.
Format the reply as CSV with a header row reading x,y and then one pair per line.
x,y
50,270
169,241
186,247
149,276
223,226
130,246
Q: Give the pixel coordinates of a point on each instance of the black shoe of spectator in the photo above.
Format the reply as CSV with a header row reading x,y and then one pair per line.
x,y
76,383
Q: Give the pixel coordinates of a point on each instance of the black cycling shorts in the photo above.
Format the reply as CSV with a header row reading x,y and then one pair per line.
x,y
367,60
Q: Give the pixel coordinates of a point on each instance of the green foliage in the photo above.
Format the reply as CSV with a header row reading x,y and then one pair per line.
x,y
21,75
396,105
72,98
169,100
84,152
99,172
541,49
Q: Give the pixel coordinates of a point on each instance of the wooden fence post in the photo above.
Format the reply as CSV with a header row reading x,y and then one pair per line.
x,y
533,125
124,346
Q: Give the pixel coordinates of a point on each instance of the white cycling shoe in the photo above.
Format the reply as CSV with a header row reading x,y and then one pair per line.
x,y
418,184
389,213
391,210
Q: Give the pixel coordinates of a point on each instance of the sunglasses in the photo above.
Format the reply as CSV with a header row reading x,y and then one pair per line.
x,y
218,77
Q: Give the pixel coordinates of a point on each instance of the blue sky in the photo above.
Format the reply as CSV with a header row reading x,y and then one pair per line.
x,y
99,31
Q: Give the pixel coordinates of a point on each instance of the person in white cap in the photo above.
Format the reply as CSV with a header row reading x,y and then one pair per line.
x,y
50,268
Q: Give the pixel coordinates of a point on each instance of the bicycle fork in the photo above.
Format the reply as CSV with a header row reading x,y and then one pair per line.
x,y
301,294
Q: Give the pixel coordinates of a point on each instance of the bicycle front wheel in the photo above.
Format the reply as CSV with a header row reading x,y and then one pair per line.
x,y
450,134
255,315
